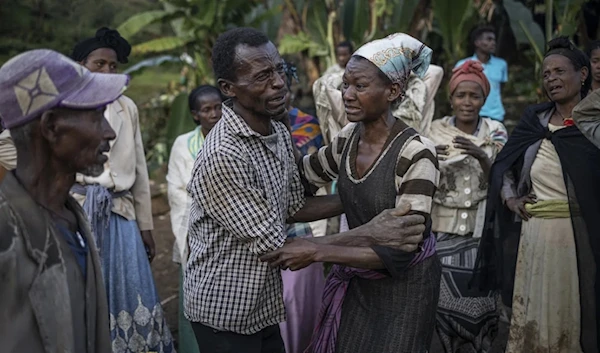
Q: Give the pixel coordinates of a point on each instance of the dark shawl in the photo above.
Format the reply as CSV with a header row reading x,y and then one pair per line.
x,y
580,162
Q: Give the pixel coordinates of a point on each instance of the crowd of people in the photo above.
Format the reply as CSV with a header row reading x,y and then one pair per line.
x,y
433,229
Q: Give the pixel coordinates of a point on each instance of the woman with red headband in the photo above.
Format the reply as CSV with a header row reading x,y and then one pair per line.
x,y
466,146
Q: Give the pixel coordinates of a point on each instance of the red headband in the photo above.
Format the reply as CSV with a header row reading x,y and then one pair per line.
x,y
470,70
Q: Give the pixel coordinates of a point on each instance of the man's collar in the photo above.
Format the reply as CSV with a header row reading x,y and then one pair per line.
x,y
235,122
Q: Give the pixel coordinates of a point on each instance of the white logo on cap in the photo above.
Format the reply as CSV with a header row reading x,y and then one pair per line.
x,y
35,91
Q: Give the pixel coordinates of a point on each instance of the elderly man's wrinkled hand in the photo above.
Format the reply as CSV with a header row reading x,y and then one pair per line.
x,y
296,254
396,228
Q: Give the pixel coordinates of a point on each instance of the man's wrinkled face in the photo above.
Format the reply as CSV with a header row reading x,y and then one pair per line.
x,y
80,139
260,85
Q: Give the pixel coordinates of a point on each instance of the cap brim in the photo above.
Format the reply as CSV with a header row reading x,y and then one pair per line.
x,y
100,90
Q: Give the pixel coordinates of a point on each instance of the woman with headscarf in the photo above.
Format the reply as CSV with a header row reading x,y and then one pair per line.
x,y
205,104
544,196
118,204
467,145
378,298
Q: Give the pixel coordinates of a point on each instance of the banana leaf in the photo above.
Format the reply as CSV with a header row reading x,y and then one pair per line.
x,y
402,14
523,26
159,45
152,62
137,22
454,19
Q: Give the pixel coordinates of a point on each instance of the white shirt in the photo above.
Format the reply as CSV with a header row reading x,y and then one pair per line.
x,y
181,163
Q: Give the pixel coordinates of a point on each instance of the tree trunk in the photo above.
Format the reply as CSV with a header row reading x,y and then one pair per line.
x,y
311,65
287,25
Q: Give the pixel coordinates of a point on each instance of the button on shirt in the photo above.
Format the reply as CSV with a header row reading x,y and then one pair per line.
x,y
496,71
244,186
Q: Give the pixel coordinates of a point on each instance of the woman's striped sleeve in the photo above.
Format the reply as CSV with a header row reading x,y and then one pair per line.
x,y
417,175
322,167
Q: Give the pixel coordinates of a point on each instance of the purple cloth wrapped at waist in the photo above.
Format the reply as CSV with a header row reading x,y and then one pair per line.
x,y
325,335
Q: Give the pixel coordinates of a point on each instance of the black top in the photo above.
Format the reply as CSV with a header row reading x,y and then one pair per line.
x,y
580,162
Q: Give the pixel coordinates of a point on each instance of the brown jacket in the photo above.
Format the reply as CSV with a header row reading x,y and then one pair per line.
x,y
35,307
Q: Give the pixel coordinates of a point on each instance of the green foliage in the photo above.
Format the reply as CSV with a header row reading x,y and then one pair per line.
x,y
567,12
58,24
528,32
359,21
180,119
454,20
159,45
195,25
402,14
291,44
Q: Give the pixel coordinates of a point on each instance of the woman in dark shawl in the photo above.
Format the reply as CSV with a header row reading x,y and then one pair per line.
x,y
543,210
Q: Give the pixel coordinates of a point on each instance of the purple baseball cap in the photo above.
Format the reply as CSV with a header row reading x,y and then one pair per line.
x,y
38,80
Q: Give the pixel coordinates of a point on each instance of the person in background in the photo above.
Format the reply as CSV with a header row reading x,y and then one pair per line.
x,y
205,105
586,116
377,298
302,289
331,121
544,196
343,52
118,204
466,146
483,38
593,53
53,296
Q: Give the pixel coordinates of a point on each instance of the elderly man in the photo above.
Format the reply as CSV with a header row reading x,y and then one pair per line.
x,y
117,203
53,296
244,187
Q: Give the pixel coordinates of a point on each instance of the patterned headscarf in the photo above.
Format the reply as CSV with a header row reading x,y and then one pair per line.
x,y
471,70
397,55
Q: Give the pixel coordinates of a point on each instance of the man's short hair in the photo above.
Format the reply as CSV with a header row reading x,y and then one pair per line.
x,y
223,54
346,44
481,30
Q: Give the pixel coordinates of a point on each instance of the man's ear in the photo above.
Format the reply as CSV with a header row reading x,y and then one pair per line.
x,y
226,87
48,126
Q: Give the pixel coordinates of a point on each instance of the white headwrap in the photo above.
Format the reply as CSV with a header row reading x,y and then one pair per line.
x,y
397,55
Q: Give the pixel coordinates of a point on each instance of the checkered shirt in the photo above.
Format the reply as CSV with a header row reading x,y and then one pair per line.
x,y
244,186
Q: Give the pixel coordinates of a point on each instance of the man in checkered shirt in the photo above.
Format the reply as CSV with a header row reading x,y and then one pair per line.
x,y
245,186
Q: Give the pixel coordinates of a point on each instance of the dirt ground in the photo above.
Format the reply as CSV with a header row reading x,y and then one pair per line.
x,y
166,272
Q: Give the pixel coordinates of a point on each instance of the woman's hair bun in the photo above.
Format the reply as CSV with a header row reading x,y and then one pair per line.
x,y
561,43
